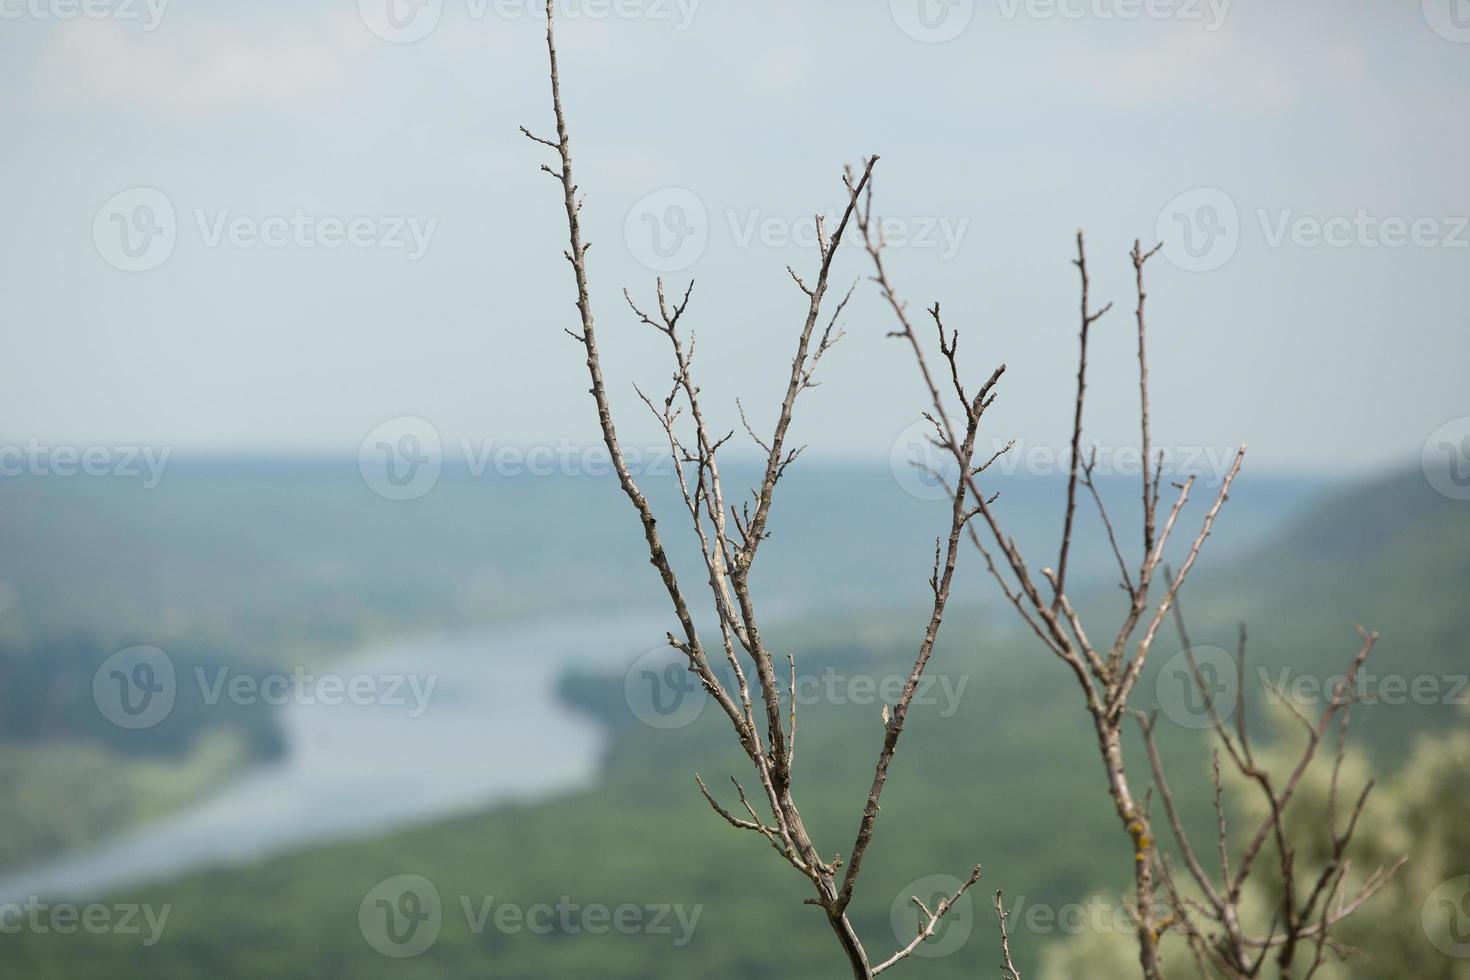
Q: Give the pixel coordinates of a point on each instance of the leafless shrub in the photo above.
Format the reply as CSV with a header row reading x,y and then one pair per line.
x,y
730,539
1107,675
1207,915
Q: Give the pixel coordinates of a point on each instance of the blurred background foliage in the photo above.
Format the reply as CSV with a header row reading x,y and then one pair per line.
x,y
1009,781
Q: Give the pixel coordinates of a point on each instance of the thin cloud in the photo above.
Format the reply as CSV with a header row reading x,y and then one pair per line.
x,y
193,70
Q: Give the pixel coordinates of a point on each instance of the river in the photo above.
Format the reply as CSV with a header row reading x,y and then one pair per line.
x,y
491,731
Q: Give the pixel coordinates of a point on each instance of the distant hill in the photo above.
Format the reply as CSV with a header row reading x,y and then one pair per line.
x,y
1390,554
1008,780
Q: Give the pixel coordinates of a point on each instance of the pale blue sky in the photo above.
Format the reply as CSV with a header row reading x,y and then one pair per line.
x,y
1035,120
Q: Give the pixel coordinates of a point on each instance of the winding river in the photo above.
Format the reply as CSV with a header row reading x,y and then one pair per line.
x,y
492,730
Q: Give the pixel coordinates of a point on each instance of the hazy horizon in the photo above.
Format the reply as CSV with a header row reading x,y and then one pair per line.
x,y
1316,324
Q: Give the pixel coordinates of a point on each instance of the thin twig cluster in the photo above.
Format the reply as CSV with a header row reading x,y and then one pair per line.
x,y
1108,674
763,717
1206,913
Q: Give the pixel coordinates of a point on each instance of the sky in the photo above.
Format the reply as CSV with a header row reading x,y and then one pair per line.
x,y
277,226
